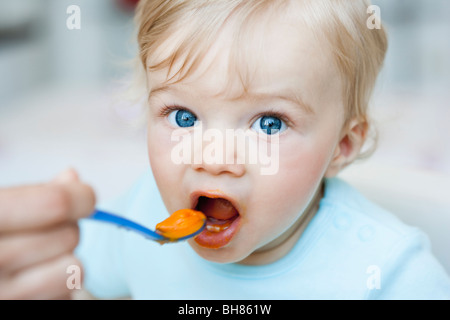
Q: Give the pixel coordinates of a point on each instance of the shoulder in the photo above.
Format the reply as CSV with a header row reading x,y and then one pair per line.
x,y
372,238
351,209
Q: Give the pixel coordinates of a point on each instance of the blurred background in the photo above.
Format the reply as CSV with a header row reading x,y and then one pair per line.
x,y
59,105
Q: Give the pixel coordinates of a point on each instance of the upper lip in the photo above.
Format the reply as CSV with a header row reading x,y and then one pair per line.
x,y
213,194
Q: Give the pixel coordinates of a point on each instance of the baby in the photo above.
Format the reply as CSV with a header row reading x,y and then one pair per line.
x,y
234,87
292,75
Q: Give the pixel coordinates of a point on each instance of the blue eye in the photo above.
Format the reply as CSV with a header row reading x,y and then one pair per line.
x,y
269,125
182,118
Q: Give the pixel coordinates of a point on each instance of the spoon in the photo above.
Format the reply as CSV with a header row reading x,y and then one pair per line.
x,y
130,225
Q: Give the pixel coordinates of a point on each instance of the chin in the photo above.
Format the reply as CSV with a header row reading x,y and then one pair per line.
x,y
227,254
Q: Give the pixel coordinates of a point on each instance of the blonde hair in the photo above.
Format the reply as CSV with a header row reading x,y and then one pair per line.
x,y
357,50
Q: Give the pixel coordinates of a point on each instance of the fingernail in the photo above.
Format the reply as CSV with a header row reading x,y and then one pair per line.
x,y
67,175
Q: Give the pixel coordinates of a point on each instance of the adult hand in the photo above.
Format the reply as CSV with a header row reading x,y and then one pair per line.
x,y
38,234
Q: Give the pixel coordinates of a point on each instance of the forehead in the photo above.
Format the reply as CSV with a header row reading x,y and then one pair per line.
x,y
276,54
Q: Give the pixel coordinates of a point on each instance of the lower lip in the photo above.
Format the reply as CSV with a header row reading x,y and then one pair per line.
x,y
216,240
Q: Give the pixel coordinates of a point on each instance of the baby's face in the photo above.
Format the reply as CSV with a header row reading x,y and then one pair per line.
x,y
260,207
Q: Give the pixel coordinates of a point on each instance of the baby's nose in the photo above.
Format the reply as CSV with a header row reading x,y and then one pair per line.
x,y
218,156
234,169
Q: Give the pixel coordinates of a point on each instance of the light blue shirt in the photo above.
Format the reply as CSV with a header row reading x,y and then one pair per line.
x,y
352,249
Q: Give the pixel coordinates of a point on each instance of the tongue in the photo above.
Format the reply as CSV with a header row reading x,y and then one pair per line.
x,y
220,209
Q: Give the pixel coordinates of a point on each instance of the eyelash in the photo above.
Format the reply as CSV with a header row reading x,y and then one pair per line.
x,y
274,114
165,110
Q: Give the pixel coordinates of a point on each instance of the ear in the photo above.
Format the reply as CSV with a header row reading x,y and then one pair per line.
x,y
347,150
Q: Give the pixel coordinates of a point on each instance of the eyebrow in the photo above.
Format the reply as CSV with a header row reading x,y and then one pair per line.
x,y
163,88
289,96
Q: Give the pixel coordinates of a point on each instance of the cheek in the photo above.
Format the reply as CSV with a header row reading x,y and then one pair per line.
x,y
165,171
300,172
298,178
158,150
303,167
300,175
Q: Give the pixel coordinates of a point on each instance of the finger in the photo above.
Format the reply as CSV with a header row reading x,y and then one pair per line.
x,y
49,280
33,207
22,250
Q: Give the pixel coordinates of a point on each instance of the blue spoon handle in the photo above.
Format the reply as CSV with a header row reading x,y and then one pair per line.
x,y
127,224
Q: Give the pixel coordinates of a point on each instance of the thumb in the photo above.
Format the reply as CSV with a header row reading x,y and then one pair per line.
x,y
68,175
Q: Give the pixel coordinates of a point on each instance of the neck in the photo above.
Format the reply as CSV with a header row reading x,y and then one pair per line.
x,y
279,247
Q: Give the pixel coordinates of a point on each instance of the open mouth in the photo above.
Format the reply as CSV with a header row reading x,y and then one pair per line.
x,y
222,221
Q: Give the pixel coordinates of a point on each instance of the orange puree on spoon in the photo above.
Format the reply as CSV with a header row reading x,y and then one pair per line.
x,y
181,223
